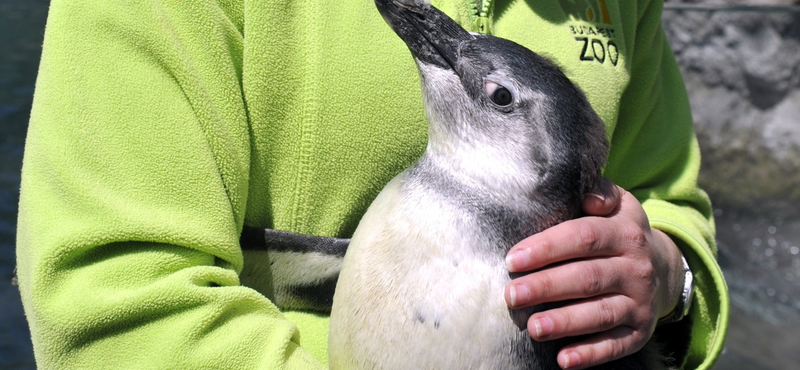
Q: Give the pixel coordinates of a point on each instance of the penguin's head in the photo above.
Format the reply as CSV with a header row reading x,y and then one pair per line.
x,y
497,111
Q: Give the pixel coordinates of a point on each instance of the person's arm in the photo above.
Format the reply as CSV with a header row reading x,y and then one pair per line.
x,y
657,158
633,273
133,191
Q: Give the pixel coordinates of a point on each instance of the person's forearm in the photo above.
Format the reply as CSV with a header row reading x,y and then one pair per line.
x,y
132,197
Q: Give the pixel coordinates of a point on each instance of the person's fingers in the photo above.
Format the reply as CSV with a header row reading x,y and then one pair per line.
x,y
584,237
609,269
603,347
589,316
604,200
574,280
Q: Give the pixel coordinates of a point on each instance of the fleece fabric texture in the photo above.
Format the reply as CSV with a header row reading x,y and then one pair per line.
x,y
160,128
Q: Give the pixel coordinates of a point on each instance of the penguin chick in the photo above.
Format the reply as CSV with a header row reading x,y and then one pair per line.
x,y
513,146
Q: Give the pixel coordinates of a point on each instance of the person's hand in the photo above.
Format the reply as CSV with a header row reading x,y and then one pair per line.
x,y
620,276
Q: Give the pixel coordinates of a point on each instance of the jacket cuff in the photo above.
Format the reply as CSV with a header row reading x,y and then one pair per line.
x,y
710,308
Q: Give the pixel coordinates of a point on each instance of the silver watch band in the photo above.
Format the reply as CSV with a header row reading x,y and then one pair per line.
x,y
682,308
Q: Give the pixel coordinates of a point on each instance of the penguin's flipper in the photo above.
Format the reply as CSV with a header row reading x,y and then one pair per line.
x,y
295,271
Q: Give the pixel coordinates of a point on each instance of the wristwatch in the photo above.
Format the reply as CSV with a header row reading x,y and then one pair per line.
x,y
682,308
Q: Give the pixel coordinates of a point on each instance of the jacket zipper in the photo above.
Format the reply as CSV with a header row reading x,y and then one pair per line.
x,y
480,15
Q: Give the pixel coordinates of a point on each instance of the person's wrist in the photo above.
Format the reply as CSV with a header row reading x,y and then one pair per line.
x,y
680,297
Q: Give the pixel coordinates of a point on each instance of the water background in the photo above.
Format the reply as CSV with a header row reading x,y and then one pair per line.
x,y
21,31
759,246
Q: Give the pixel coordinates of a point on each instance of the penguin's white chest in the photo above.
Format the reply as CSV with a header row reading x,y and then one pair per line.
x,y
420,289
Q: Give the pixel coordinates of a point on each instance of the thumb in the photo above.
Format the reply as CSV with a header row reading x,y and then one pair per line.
x,y
603,200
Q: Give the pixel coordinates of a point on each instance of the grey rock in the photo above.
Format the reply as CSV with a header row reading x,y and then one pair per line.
x,y
742,73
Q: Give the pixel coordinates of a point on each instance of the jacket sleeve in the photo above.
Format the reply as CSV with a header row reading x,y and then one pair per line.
x,y
655,156
133,193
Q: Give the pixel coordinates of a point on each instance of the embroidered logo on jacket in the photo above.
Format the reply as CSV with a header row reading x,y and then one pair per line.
x,y
590,23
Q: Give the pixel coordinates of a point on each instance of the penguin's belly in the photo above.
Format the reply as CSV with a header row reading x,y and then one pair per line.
x,y
421,289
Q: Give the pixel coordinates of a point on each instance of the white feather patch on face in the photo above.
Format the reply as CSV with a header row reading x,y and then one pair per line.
x,y
478,144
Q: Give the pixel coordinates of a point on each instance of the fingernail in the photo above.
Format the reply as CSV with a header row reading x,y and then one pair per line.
x,y
599,196
593,201
571,359
543,326
516,260
519,294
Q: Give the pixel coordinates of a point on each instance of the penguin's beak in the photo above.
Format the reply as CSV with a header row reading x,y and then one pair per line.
x,y
431,35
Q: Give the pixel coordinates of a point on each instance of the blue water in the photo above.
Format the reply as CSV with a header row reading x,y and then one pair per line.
x,y
760,255
21,25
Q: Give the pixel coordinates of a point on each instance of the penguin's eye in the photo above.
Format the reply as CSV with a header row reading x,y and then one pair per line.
x,y
502,96
499,94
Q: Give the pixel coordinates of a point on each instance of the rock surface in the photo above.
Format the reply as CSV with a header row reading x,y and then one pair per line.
x,y
742,71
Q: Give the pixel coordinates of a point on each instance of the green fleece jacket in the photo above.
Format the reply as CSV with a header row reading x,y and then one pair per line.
x,y
160,128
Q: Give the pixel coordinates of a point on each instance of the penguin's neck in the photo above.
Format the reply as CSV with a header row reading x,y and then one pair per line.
x,y
510,181
496,212
504,172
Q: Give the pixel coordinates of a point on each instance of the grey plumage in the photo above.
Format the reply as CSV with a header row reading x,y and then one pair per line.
x,y
422,282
